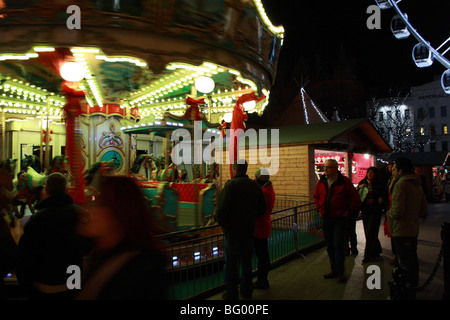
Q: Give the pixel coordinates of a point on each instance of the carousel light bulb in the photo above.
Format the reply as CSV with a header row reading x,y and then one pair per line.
x,y
249,105
72,71
227,117
204,84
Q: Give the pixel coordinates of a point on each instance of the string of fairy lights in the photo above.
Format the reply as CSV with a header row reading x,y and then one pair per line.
x,y
154,99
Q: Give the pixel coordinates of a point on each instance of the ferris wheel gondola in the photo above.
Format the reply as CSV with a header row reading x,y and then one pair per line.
x,y
385,4
422,56
445,81
399,27
423,53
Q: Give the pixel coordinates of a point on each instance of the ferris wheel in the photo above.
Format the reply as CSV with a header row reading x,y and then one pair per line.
x,y
423,52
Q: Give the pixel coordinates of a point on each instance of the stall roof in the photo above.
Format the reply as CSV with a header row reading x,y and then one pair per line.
x,y
356,132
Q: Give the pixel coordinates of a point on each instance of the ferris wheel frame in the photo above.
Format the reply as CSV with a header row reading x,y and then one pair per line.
x,y
387,4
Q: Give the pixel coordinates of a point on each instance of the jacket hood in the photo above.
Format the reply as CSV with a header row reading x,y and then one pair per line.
x,y
410,177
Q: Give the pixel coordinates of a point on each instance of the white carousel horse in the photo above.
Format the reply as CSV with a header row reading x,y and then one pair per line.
x,y
28,185
142,167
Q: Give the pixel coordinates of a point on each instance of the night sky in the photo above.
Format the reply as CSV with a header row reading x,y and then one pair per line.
x,y
329,50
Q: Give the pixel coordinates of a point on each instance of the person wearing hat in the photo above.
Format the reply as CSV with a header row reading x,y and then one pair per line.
x,y
263,229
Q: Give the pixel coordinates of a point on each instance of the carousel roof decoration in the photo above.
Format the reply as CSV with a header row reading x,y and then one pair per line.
x,y
173,122
301,110
305,108
141,58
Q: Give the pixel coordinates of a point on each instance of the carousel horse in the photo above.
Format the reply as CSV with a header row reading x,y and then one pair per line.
x,y
93,176
212,173
170,174
7,168
30,161
196,175
29,185
157,164
142,165
58,164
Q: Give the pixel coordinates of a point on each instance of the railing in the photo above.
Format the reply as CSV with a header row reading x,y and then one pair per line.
x,y
197,256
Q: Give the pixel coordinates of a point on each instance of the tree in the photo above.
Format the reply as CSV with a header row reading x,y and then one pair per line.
x,y
400,124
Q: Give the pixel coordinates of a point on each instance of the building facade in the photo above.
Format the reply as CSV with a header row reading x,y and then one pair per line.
x,y
415,123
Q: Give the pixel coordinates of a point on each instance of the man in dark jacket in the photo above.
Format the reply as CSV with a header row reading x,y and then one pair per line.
x,y
50,244
240,203
336,199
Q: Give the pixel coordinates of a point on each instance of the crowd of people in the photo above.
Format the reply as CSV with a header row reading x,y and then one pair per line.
x,y
397,192
106,246
111,241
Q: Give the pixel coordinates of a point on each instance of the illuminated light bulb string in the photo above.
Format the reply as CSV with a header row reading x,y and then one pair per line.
x,y
314,106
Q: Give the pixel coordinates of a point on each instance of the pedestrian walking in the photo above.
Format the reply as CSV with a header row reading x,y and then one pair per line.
x,y
336,199
240,203
408,204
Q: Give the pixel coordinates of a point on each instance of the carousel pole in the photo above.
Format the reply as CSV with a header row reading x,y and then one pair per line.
x,y
47,144
166,154
73,151
3,148
41,147
72,73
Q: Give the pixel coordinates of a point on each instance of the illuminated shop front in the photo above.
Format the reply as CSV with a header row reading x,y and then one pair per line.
x,y
359,163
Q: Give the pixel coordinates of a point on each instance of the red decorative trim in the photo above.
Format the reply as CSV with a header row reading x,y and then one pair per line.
x,y
108,109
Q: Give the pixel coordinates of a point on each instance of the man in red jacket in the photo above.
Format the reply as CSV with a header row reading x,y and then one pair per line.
x,y
263,228
335,198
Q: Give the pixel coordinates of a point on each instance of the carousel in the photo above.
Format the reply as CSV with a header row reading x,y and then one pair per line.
x,y
107,87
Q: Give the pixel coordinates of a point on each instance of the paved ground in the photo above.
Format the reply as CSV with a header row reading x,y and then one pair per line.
x,y
301,278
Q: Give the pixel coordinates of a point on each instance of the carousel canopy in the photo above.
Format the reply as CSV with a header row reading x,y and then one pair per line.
x,y
136,55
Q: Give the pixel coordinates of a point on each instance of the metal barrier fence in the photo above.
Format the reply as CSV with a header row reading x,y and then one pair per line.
x,y
197,257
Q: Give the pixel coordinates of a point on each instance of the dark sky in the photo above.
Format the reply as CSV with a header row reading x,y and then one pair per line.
x,y
329,48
